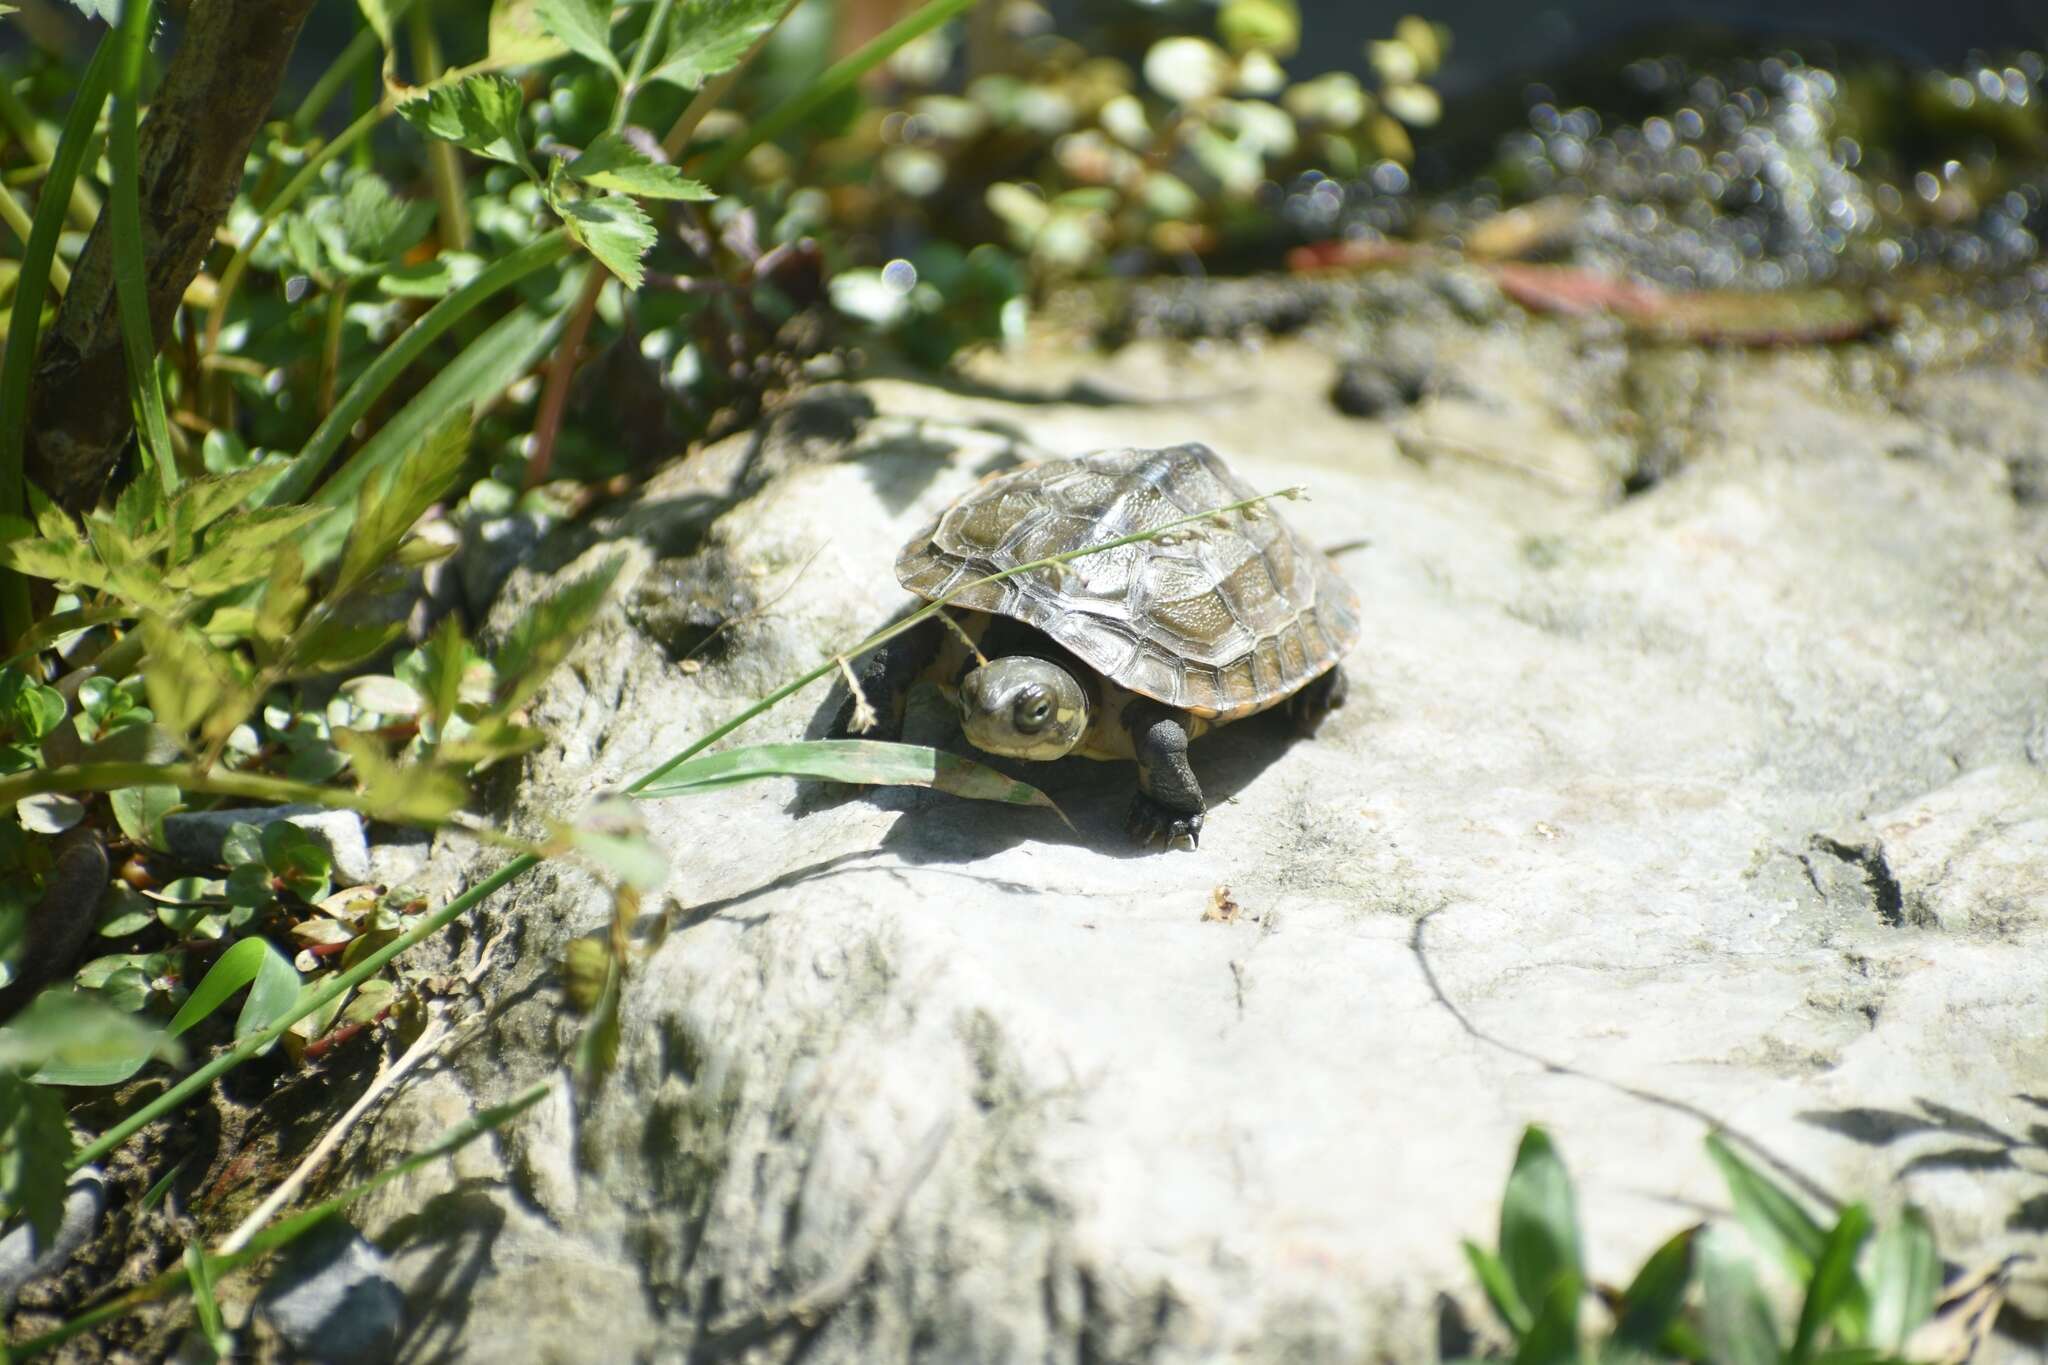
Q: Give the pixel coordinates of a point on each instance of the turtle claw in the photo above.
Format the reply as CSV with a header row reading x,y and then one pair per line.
x,y
1152,823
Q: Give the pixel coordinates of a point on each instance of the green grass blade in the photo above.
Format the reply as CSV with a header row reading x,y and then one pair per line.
x,y
860,761
486,368
305,470
1905,1280
1655,1297
1777,1222
1539,1221
289,1230
24,325
1834,1279
253,962
1736,1317
1500,1290
138,340
199,1276
1553,1339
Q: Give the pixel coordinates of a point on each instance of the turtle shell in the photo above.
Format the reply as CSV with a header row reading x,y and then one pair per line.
x,y
1221,618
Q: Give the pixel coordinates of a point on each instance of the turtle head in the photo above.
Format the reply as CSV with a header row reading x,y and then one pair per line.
x,y
1023,708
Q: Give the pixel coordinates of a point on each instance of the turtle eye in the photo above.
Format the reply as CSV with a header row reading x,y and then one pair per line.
x,y
1032,709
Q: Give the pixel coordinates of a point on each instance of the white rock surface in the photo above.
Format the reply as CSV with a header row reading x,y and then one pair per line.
x,y
1594,845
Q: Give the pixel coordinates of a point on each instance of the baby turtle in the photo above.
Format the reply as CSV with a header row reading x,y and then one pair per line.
x,y
1126,653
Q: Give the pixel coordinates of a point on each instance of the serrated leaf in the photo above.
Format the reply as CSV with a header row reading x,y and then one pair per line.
x,y
272,981
35,1154
480,114
613,228
191,684
405,793
62,561
544,635
202,502
610,162
283,602
710,37
388,506
369,226
241,550
517,36
586,26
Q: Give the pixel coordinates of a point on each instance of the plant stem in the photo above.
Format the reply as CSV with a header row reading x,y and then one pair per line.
x,y
330,347
444,159
836,78
554,396
131,289
24,324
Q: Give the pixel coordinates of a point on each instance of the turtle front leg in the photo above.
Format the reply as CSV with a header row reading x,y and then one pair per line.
x,y
885,680
1168,806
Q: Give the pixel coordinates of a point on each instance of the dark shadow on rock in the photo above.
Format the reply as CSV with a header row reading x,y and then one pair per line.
x,y
938,828
722,907
1455,1339
464,1226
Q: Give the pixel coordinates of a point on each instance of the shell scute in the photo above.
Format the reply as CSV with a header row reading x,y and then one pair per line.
x,y
1224,617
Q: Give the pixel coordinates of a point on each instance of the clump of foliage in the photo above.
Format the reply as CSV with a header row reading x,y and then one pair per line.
x,y
1862,1299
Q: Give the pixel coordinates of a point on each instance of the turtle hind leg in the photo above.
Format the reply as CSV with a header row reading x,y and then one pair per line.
x,y
885,679
1168,806
1312,704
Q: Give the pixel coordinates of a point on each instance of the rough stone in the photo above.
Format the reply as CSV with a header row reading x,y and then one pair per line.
x,y
197,836
1600,842
334,1300
22,1260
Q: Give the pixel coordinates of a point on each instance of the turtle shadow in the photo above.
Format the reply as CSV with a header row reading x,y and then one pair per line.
x,y
1094,795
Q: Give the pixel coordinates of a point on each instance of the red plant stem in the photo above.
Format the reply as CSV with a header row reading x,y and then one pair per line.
x,y
554,396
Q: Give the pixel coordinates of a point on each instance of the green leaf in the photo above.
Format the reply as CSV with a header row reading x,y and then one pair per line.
x,y
28,710
35,1154
202,502
480,114
849,760
191,684
369,226
1736,1316
388,507
1777,1222
710,37
1834,1280
1905,1280
612,163
586,26
68,1038
241,550
377,14
297,859
1500,1290
1539,1225
1553,1339
199,1274
517,36
412,792
272,981
336,641
613,228
438,277
544,635
140,811
68,561
1653,1300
